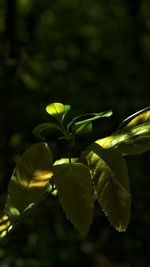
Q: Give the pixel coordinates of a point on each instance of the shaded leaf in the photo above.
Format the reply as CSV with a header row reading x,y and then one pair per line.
x,y
109,173
74,186
62,161
30,179
57,110
43,128
82,129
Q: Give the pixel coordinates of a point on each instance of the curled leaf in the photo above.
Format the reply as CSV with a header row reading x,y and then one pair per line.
x,y
129,142
43,128
140,117
133,136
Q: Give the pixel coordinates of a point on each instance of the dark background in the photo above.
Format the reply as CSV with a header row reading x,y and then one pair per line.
x,y
93,55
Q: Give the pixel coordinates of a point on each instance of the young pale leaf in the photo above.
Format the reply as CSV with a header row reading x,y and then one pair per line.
x,y
30,179
57,110
73,182
109,173
41,129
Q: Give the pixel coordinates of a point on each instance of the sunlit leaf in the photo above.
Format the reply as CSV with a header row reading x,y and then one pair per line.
x,y
105,142
140,117
135,140
73,182
43,128
57,110
133,135
30,179
65,160
109,174
5,226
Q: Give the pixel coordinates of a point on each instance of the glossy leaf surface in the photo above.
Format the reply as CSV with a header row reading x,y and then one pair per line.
x,y
135,140
140,117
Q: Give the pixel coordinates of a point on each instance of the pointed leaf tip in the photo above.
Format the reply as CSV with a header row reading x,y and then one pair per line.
x,y
74,186
109,173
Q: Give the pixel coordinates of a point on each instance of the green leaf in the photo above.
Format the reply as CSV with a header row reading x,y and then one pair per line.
x,y
43,128
94,116
82,129
57,110
130,141
5,226
90,117
86,118
140,117
73,182
135,141
30,179
133,135
109,173
65,160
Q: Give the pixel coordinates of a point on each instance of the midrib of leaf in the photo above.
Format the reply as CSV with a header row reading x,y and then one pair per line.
x,y
26,189
112,183
56,110
37,160
75,185
111,180
79,208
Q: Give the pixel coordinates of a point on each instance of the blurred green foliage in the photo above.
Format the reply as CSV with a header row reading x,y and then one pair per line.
x,y
94,55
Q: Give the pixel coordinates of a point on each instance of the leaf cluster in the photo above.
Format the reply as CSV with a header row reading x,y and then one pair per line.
x,y
99,174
